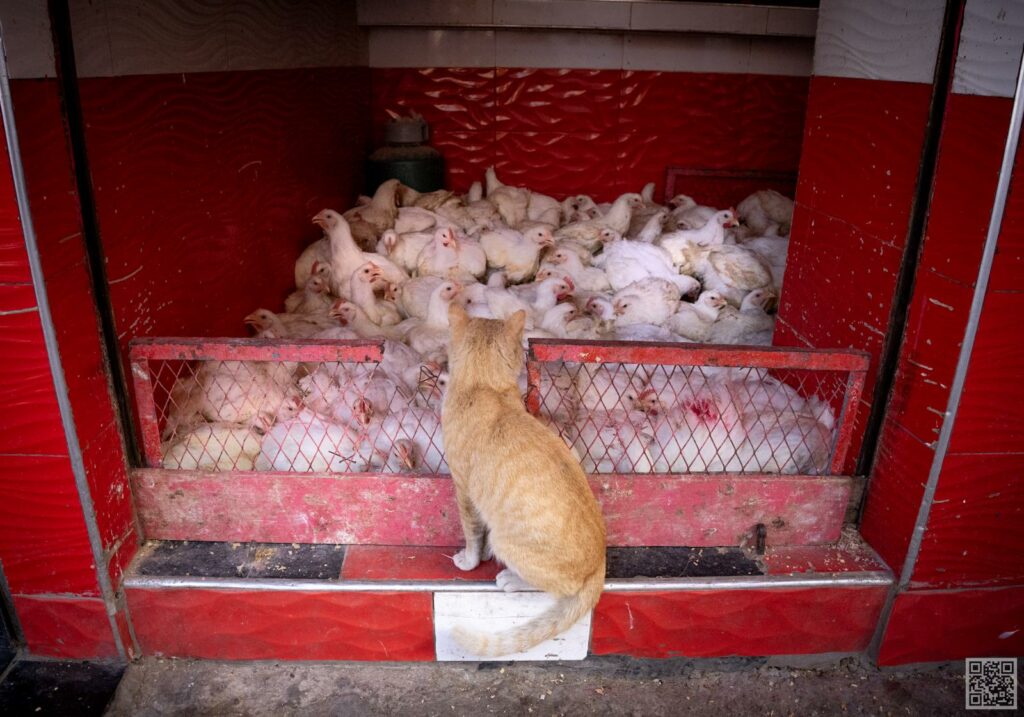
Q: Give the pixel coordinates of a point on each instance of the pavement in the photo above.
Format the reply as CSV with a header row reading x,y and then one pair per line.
x,y
596,686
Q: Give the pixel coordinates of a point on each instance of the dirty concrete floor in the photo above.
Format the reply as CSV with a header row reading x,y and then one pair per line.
x,y
602,686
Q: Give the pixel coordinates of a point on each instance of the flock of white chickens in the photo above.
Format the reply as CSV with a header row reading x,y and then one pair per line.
x,y
629,271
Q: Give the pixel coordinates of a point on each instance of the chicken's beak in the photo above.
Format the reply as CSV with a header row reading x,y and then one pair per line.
x,y
321,221
405,455
619,311
252,320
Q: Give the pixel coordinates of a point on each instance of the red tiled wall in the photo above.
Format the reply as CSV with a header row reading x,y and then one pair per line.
x,y
206,183
44,544
858,171
968,575
602,132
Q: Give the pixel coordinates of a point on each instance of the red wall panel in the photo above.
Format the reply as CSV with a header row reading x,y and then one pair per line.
x,y
75,628
596,131
933,626
239,625
206,183
744,622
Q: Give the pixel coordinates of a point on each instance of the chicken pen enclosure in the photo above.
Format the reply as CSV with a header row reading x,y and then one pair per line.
x,y
709,480
276,497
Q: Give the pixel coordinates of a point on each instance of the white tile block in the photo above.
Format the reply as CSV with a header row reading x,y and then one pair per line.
x,y
881,40
166,36
91,35
423,47
687,17
792,21
565,13
27,40
438,13
792,56
562,49
492,612
687,53
988,55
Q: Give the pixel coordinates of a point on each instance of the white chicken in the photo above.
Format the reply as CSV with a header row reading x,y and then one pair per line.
x,y
362,289
346,257
749,324
766,212
512,203
308,443
587,278
648,301
403,249
711,234
430,336
369,221
515,253
214,447
589,232
733,271
447,256
694,321
625,262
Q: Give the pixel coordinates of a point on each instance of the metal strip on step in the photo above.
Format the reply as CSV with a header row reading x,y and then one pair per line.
x,y
742,582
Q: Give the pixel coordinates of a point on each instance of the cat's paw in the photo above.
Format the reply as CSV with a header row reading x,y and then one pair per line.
x,y
509,581
465,561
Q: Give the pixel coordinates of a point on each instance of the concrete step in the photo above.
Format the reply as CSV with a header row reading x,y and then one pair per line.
x,y
248,601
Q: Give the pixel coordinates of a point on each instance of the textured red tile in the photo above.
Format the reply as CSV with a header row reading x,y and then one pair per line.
x,y
772,122
28,404
49,173
861,152
120,556
43,542
106,471
936,626
991,414
65,627
970,155
569,101
839,286
976,525
467,155
741,622
697,110
397,562
13,258
451,99
227,625
78,336
560,164
928,356
894,493
196,178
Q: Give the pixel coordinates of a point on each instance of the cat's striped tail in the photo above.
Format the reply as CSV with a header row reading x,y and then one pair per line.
x,y
553,621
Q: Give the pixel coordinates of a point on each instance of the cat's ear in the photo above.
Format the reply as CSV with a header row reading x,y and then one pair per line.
x,y
457,316
515,324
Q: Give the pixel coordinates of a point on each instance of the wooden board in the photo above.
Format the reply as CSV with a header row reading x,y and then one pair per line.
x,y
698,510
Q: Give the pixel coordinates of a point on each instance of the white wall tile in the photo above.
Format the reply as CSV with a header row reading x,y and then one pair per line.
x,y
565,13
493,612
91,36
989,52
881,39
425,47
167,36
793,56
793,21
26,35
425,12
669,16
563,49
275,34
687,53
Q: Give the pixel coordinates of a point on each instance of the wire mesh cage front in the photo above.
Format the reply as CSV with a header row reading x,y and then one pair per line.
x,y
351,407
627,409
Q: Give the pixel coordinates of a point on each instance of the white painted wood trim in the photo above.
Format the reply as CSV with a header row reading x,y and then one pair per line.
x,y
991,39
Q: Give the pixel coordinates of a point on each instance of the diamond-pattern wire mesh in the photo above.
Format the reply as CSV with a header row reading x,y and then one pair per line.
x,y
658,418
340,417
364,416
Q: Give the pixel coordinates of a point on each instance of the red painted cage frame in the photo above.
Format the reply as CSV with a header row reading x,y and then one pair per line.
x,y
168,500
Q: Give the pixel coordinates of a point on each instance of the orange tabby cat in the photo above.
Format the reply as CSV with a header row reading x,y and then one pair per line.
x,y
522,495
